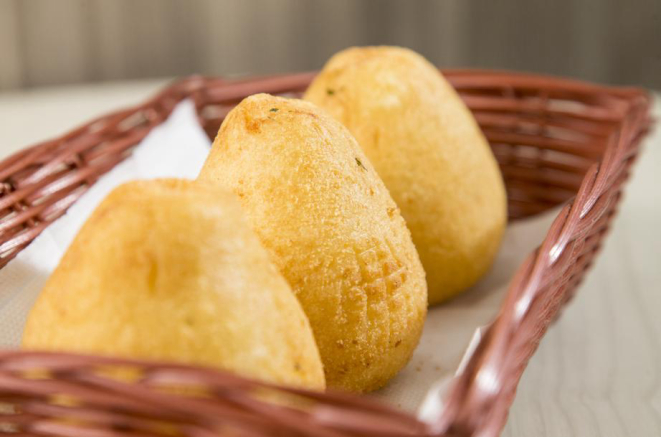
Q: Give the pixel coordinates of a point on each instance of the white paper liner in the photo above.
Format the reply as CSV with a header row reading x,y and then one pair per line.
x,y
178,148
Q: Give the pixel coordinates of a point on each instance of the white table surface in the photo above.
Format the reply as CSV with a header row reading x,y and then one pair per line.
x,y
598,370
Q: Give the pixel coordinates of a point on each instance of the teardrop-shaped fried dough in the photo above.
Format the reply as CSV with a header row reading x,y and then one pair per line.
x,y
332,229
430,153
171,270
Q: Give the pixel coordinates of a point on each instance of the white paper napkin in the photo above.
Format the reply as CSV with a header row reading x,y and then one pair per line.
x,y
178,148
450,327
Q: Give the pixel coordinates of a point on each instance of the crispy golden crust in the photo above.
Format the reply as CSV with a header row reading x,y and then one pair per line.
x,y
170,270
430,153
333,230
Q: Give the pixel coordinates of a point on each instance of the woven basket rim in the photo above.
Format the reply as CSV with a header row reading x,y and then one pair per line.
x,y
469,408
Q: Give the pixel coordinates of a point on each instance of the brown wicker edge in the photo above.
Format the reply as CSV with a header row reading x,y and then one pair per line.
x,y
555,139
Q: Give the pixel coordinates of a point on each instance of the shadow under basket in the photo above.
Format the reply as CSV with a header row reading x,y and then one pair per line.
x,y
558,141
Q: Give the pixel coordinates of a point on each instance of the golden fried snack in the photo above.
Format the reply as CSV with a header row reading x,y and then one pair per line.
x,y
333,231
430,153
170,270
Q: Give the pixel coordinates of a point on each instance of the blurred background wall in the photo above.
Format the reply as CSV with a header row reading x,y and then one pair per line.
x,y
46,42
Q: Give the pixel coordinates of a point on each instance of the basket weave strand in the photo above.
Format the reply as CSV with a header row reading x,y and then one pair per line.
x,y
557,141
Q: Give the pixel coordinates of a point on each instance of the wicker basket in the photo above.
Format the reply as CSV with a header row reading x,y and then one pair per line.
x,y
557,141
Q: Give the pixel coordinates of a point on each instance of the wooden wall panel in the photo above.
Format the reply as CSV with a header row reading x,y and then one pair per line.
x,y
11,62
45,42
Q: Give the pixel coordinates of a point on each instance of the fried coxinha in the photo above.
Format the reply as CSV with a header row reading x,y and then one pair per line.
x,y
332,229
